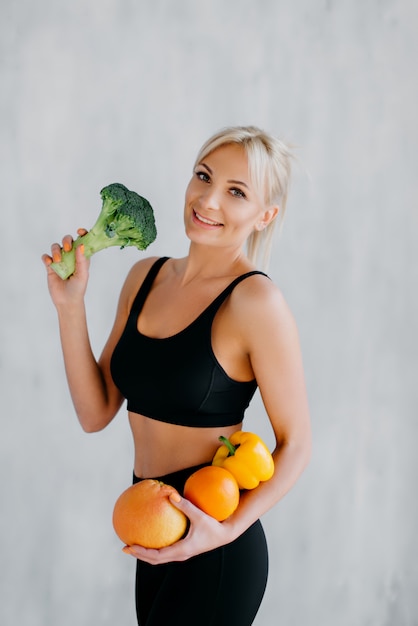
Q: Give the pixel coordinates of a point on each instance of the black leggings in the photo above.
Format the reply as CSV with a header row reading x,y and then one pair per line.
x,y
223,587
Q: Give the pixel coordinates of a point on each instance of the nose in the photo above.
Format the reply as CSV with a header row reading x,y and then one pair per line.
x,y
210,199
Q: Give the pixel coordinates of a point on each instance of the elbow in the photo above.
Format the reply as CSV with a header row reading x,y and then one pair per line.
x,y
90,425
301,451
90,428
306,454
297,448
301,444
96,416
305,448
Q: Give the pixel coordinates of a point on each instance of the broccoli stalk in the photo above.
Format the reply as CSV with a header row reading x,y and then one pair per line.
x,y
126,219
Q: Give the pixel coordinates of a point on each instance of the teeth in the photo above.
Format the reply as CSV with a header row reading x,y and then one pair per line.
x,y
205,221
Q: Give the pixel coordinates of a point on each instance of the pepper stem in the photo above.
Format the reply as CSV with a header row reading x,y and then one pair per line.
x,y
228,444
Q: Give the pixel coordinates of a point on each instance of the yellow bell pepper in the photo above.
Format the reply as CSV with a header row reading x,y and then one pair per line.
x,y
247,457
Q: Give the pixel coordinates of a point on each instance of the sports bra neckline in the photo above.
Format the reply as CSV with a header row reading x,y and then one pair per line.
x,y
146,288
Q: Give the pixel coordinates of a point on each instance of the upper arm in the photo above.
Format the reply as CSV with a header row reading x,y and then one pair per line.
x,y
272,343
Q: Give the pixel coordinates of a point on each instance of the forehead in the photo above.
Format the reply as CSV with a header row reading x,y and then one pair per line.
x,y
230,160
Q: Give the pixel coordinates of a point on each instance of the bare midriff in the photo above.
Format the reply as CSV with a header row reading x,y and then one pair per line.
x,y
162,448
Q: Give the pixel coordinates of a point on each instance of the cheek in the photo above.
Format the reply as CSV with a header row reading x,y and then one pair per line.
x,y
188,195
191,187
245,218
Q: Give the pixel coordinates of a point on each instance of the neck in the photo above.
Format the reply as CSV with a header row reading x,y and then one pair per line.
x,y
209,262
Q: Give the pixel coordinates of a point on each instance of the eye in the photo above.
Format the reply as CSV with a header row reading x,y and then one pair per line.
x,y
203,176
238,193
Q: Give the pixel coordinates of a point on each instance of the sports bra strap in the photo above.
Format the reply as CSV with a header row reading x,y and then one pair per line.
x,y
214,306
144,289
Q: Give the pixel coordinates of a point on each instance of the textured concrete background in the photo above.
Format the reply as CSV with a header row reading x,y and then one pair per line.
x,y
120,90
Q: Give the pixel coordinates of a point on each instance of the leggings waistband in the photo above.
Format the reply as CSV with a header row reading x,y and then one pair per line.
x,y
175,479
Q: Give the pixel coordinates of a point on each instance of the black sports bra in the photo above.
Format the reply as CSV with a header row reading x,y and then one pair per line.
x,y
178,379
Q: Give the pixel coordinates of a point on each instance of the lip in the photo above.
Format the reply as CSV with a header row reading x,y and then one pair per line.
x,y
198,219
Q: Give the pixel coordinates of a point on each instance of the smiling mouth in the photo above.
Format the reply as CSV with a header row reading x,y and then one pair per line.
x,y
204,220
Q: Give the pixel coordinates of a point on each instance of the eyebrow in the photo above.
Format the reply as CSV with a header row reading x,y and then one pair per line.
x,y
235,182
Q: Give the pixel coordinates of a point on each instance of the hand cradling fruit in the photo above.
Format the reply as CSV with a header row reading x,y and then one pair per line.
x,y
144,515
247,457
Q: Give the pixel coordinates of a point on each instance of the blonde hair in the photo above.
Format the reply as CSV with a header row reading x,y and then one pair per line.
x,y
269,167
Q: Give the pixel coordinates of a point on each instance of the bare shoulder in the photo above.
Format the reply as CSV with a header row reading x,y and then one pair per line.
x,y
140,269
134,280
259,308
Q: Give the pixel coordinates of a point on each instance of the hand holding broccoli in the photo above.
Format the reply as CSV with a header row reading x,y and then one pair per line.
x,y
126,219
67,292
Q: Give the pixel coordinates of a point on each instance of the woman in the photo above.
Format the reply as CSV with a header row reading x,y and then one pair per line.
x,y
192,339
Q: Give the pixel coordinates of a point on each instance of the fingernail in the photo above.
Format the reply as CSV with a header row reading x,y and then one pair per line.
x,y
81,246
126,550
56,257
67,246
175,497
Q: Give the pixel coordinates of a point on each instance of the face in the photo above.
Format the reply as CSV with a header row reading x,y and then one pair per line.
x,y
222,207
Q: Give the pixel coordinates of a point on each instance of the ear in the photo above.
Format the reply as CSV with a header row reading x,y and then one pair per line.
x,y
267,217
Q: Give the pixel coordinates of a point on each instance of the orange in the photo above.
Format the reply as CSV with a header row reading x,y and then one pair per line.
x,y
214,490
143,515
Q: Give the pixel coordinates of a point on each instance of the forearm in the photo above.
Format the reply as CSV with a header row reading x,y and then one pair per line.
x,y
290,460
85,378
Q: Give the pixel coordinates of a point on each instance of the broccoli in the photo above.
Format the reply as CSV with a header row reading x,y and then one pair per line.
x,y
126,219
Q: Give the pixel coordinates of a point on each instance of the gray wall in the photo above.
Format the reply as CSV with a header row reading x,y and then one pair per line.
x,y
121,90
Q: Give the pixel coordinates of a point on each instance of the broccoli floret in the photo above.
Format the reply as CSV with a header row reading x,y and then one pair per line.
x,y
126,219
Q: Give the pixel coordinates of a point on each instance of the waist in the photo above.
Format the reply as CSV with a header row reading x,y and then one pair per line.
x,y
161,448
175,479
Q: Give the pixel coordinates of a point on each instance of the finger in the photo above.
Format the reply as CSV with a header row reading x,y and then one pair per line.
x,y
67,243
56,252
145,554
188,508
79,253
46,260
81,261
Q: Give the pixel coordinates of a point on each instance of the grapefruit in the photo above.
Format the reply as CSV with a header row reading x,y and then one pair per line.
x,y
143,515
